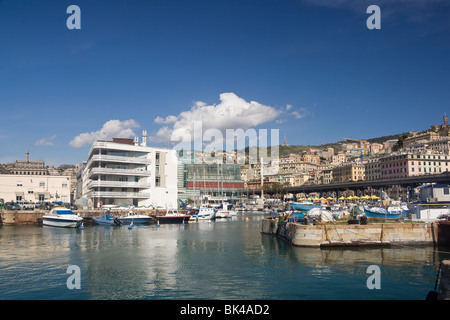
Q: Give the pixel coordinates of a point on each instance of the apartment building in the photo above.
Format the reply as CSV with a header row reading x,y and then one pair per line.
x,y
123,172
413,164
426,136
35,188
349,172
372,169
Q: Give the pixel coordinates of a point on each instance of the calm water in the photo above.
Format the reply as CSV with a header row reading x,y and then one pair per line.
x,y
225,259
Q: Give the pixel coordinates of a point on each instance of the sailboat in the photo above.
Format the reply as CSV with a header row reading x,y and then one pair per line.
x,y
224,210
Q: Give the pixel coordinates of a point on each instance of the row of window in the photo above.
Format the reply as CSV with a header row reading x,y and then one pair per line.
x,y
41,184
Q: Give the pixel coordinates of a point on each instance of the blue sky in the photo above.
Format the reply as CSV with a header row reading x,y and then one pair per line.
x,y
311,69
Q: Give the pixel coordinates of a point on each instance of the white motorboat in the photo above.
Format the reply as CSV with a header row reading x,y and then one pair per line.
x,y
202,213
62,217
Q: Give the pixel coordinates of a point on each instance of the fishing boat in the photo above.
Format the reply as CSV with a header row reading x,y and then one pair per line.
x,y
172,217
381,213
135,218
203,213
107,219
62,217
304,206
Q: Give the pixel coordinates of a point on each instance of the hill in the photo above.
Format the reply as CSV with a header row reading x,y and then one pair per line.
x,y
285,150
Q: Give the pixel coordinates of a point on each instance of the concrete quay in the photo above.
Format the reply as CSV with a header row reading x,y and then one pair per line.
x,y
372,234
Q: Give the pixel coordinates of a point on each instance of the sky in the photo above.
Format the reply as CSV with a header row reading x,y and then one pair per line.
x,y
310,69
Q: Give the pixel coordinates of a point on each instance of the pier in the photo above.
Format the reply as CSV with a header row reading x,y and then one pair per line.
x,y
373,234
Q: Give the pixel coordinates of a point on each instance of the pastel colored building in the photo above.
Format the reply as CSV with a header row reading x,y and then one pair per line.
x,y
413,164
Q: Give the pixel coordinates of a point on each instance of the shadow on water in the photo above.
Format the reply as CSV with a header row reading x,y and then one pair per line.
x,y
406,272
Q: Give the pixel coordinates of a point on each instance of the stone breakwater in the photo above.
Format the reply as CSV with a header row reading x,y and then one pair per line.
x,y
322,235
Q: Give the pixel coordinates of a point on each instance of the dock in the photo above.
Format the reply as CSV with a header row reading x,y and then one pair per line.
x,y
372,234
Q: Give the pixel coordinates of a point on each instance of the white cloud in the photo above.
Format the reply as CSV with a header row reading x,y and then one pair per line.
x,y
300,113
232,112
111,129
45,141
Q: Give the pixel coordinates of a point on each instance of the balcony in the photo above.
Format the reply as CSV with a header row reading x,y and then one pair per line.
x,y
118,195
122,172
118,184
120,159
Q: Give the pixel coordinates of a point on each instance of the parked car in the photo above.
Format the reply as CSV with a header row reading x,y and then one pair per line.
x,y
25,205
12,206
44,205
71,206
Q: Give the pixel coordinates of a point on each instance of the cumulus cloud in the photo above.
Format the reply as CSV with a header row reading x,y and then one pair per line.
x,y
232,112
45,141
111,129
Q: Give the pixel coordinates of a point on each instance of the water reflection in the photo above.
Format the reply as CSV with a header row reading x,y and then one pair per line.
x,y
226,259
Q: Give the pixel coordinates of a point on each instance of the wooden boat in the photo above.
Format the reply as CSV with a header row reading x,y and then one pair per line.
x,y
380,213
172,217
304,206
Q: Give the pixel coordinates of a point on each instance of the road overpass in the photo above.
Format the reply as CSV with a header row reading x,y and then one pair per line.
x,y
411,182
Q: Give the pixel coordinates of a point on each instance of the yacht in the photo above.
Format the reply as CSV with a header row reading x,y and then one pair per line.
x,y
62,217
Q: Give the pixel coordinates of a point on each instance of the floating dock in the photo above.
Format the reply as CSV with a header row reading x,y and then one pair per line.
x,y
372,234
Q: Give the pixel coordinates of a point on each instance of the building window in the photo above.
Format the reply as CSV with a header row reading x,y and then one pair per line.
x,y
41,184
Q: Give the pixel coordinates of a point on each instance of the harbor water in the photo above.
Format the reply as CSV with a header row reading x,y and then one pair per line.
x,y
227,259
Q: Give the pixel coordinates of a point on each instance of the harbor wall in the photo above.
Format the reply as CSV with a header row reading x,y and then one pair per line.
x,y
18,217
9,217
352,235
444,283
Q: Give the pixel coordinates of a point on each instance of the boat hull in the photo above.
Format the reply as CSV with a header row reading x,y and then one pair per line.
x,y
303,206
203,214
139,220
61,222
371,214
104,221
173,219
223,214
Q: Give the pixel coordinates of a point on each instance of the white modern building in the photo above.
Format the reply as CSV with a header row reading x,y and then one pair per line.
x,y
123,172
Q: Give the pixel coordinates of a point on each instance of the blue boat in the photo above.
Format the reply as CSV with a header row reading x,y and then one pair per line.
x,y
304,206
380,213
106,219
135,218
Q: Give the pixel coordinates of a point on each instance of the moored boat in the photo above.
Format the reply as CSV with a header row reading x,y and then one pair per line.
x,y
381,213
107,219
202,213
304,206
62,217
172,217
135,218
